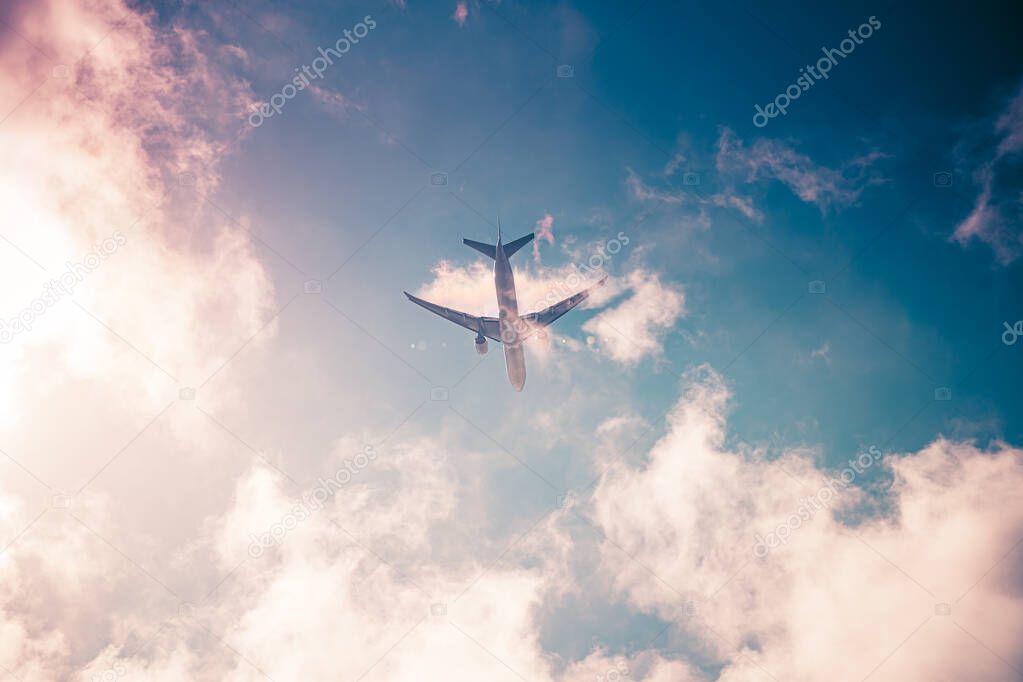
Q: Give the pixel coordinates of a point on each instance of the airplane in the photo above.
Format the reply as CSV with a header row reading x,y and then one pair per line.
x,y
509,327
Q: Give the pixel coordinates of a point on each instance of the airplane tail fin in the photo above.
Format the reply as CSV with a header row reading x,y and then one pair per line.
x,y
491,250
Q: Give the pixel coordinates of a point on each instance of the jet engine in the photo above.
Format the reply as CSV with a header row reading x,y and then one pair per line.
x,y
481,344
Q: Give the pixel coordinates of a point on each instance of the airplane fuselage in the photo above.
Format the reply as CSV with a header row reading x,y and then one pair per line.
x,y
508,315
509,328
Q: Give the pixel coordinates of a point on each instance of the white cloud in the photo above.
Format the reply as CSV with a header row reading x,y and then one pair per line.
x,y
635,327
416,607
680,531
832,592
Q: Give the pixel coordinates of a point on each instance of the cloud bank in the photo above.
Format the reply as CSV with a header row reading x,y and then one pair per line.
x,y
928,590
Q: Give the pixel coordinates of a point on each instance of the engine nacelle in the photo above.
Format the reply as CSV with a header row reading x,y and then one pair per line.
x,y
481,345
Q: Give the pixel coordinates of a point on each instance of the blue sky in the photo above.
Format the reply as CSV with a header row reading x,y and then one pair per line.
x,y
905,312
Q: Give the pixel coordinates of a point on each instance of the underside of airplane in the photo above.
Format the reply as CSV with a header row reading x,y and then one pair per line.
x,y
509,328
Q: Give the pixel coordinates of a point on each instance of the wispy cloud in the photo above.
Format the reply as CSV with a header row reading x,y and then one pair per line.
x,y
767,159
997,215
461,14
643,192
544,232
739,166
669,198
674,163
822,352
333,101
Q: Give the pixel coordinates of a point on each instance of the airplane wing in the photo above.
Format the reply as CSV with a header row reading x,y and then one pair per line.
x,y
490,327
541,319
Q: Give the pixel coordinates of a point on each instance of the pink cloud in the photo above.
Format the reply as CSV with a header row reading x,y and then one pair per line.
x,y
123,135
461,14
997,215
333,101
545,232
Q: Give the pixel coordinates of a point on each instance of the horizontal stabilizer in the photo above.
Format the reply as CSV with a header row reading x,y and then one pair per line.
x,y
485,249
512,247
491,250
